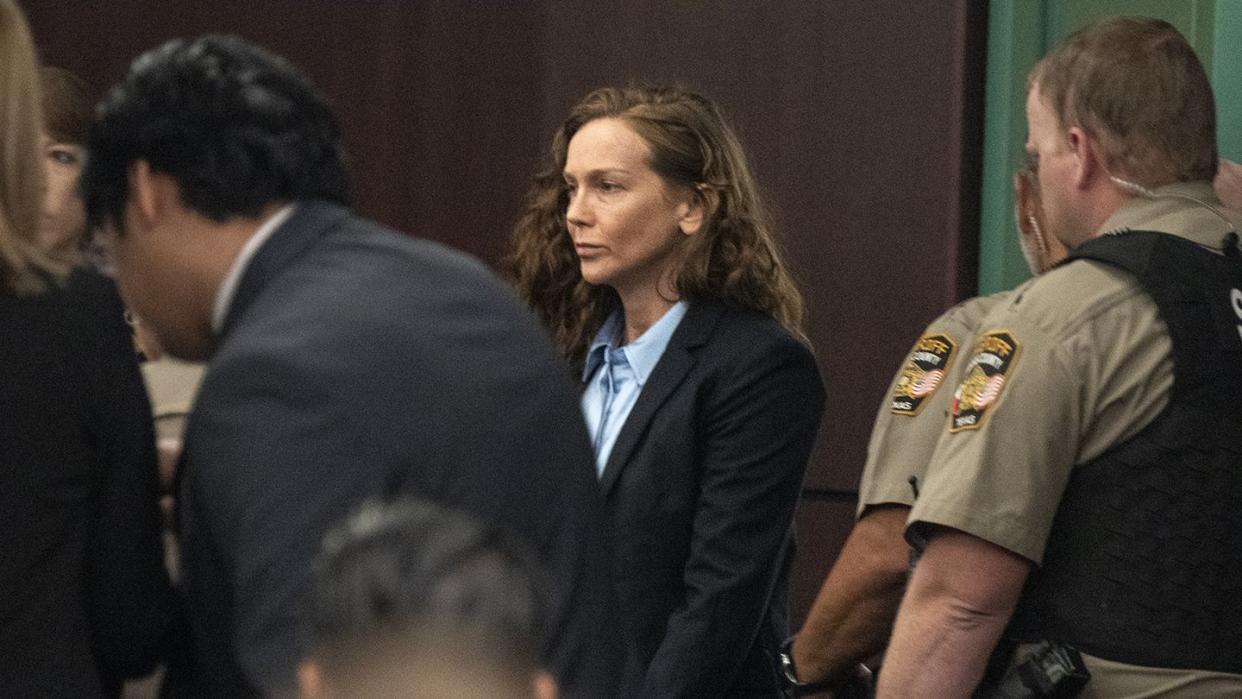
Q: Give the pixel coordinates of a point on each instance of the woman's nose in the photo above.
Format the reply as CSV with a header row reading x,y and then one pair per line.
x,y
576,211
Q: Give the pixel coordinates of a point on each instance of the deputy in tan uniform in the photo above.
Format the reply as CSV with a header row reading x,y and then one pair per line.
x,y
852,615
853,612
1070,465
909,422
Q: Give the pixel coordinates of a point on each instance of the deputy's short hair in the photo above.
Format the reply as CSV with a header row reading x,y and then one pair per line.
x,y
235,126
1135,84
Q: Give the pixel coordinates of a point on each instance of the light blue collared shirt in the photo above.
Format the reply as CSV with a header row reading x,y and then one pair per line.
x,y
614,376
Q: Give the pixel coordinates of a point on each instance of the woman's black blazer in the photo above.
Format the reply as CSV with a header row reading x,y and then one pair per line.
x,y
701,489
84,599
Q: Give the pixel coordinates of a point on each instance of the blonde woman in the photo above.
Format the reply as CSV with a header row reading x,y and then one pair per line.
x,y
84,599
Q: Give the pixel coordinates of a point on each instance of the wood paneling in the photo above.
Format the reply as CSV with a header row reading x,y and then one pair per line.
x,y
862,119
862,122
822,525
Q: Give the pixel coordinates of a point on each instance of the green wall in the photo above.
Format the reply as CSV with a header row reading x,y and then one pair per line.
x,y
1019,33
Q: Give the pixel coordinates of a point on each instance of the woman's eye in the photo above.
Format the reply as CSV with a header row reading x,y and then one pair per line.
x,y
609,187
63,156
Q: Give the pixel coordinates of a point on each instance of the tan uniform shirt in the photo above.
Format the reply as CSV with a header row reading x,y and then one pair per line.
x,y
1077,361
916,406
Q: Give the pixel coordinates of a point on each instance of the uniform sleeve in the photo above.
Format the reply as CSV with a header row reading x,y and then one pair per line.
x,y
1076,363
1010,442
757,439
911,416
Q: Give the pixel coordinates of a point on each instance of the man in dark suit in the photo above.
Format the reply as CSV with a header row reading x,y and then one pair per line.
x,y
347,362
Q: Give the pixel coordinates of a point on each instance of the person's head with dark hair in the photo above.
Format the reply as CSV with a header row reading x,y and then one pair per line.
x,y
414,599
67,109
199,145
236,127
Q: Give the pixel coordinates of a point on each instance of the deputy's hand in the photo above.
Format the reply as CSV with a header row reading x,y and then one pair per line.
x,y
1228,184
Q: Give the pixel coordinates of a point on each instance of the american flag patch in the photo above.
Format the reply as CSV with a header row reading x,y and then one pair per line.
x,y
928,383
984,380
991,390
922,373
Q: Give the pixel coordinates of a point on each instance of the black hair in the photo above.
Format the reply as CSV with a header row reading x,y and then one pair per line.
x,y
413,569
237,127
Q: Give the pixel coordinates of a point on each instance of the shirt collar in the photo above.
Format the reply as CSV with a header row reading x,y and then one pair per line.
x,y
643,353
228,287
1185,209
605,338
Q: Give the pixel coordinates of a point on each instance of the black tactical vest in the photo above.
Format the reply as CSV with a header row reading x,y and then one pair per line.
x,y
1144,561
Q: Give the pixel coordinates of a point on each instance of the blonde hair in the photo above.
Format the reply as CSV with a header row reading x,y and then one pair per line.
x,y
24,268
734,260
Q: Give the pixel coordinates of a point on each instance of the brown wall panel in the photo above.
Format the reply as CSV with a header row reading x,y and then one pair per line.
x,y
859,119
862,119
822,526
438,99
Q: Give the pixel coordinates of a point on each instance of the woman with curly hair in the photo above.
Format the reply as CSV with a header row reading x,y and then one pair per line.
x,y
646,250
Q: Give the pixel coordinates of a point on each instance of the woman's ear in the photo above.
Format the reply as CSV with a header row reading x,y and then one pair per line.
x,y
700,205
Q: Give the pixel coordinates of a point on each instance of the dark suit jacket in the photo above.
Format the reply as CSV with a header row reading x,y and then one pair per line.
x,y
701,488
355,363
84,598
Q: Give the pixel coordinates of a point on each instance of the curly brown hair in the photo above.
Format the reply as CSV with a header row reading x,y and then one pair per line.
x,y
734,259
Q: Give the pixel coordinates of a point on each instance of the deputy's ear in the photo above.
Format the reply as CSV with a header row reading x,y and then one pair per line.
x,y
1087,157
700,203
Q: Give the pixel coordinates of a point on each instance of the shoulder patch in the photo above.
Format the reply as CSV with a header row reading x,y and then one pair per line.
x,y
922,373
986,374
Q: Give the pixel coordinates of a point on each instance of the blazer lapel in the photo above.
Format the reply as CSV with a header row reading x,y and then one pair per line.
x,y
308,223
676,362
